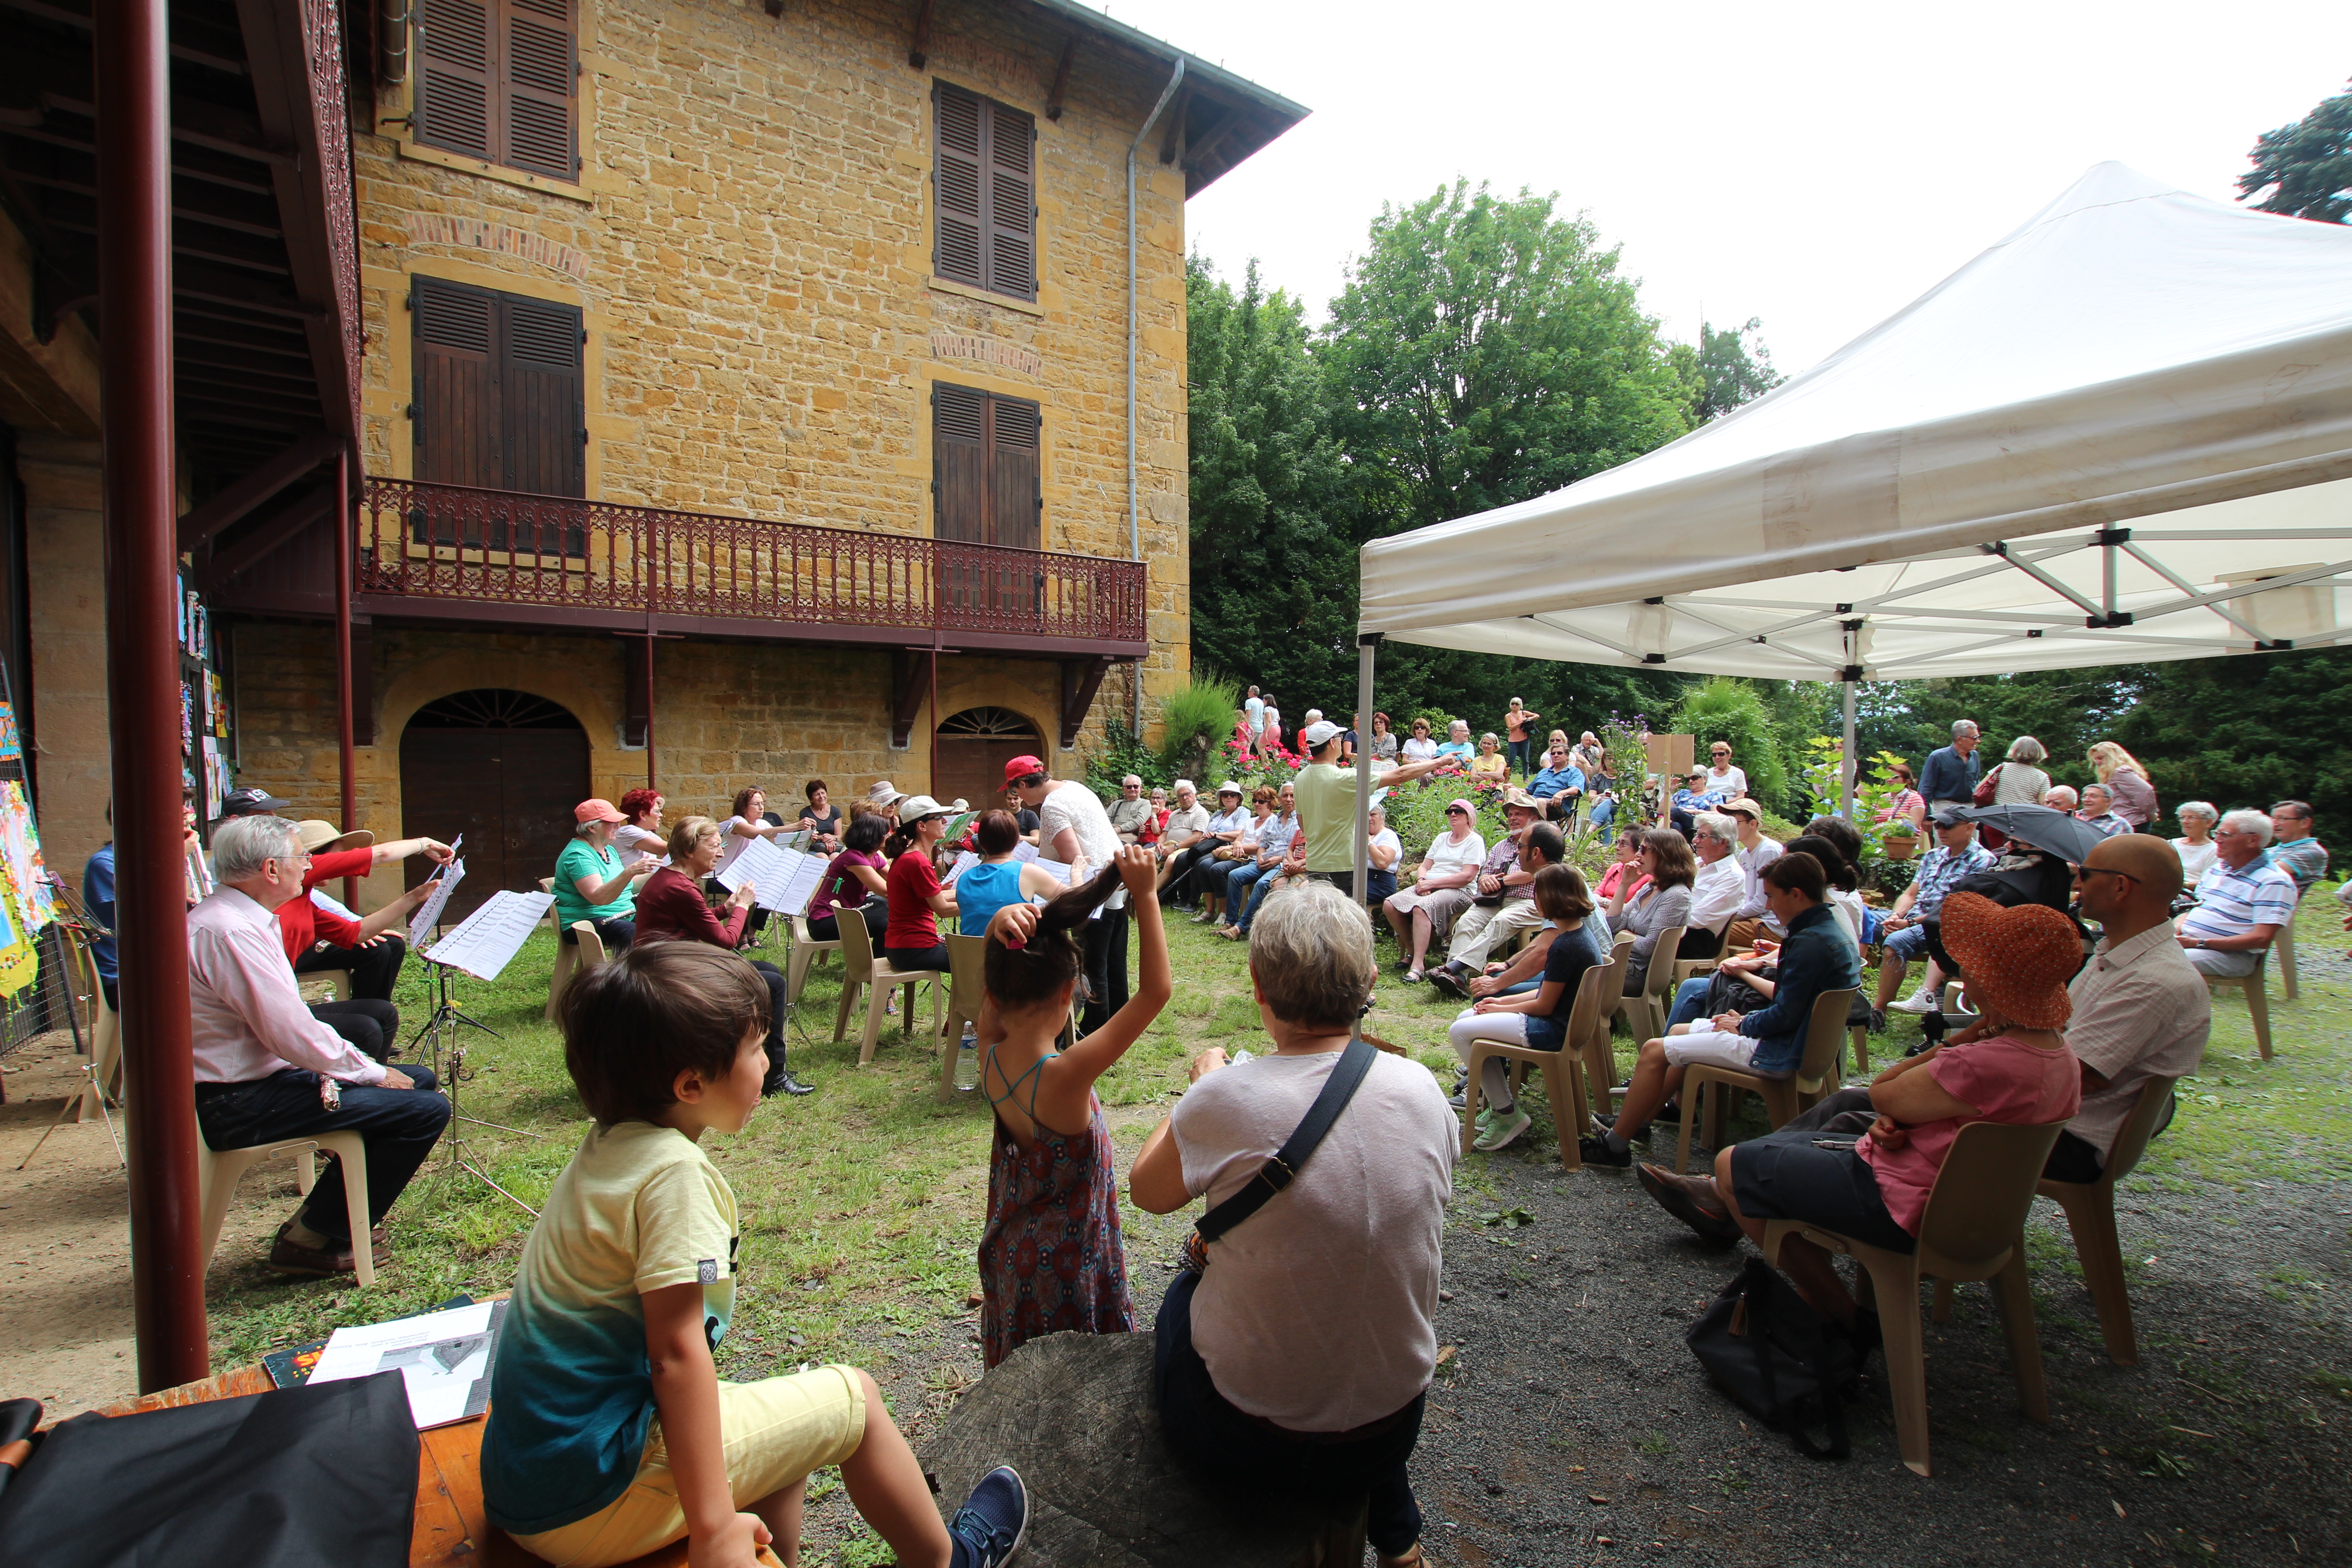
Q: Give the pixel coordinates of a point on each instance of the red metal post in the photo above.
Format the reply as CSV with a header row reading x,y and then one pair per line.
x,y
650,641
344,719
134,227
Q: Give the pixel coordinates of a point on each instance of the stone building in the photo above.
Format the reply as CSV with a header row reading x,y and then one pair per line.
x,y
741,396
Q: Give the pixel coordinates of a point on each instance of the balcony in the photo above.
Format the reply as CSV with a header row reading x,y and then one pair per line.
x,y
500,558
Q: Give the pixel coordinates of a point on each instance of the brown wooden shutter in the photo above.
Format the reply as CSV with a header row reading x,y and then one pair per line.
x,y
538,92
541,399
454,99
1014,499
958,118
960,454
1012,202
457,393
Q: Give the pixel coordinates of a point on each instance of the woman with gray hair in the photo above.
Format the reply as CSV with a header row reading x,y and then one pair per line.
x,y
1300,1354
2196,846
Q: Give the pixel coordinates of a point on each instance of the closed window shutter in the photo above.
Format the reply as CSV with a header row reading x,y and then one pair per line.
x,y
539,89
960,454
541,396
1013,496
1012,202
458,414
499,405
956,186
454,98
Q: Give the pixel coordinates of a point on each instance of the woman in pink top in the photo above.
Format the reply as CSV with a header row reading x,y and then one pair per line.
x,y
2013,1067
1629,850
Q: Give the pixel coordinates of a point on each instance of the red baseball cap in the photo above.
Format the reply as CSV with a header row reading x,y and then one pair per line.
x,y
1021,768
596,811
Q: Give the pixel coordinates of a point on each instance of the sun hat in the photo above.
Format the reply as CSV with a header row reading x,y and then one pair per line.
x,y
2016,961
1458,804
1019,768
317,835
1745,807
1319,733
1522,799
1229,788
589,811
913,808
884,794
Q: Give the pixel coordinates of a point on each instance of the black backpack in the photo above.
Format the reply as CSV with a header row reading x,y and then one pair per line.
x,y
1777,1359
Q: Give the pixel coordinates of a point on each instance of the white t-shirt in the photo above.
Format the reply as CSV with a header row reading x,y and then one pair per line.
x,y
1386,838
1420,749
1316,1312
1849,912
1730,781
1446,854
1073,805
735,842
1255,709
636,840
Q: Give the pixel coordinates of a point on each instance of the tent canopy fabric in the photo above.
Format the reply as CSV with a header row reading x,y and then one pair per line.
x,y
2122,433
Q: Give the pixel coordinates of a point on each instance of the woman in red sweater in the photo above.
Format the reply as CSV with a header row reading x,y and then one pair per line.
x,y
670,907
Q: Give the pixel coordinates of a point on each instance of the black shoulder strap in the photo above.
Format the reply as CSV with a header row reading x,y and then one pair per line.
x,y
1283,1169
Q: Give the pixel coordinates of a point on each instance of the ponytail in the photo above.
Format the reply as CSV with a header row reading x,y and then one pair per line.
x,y
1052,958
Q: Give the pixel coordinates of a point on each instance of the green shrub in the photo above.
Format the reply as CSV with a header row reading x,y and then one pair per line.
x,y
1194,720
1724,708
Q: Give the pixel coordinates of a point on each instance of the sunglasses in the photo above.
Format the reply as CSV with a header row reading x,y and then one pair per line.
x,y
1455,811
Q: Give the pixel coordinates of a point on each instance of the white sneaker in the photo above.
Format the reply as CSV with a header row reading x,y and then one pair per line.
x,y
1920,1001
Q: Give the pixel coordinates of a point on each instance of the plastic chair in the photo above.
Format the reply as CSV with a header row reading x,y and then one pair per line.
x,y
861,969
571,958
2091,1215
217,1171
1570,1109
547,885
1599,1051
103,1071
1783,1097
805,948
1646,1010
966,957
2256,989
2282,943
1973,1228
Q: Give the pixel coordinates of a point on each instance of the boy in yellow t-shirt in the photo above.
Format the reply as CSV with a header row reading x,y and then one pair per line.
x,y
610,1434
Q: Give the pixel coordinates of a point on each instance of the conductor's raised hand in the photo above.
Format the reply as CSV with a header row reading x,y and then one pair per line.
x,y
440,854
1138,869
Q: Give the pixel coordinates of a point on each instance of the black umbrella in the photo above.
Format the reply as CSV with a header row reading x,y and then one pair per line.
x,y
2068,837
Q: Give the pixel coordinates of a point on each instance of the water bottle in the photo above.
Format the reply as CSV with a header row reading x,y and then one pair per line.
x,y
967,1074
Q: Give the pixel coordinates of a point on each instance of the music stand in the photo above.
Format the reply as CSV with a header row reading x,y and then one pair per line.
x,y
480,945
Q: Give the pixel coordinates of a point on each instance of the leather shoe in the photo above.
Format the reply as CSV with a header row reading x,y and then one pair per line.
x,y
1446,981
785,1083
1694,1200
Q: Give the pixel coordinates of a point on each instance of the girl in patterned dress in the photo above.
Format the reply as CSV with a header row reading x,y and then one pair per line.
x,y
1051,1258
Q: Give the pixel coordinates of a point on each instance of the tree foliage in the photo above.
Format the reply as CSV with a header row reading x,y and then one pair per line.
x,y
1735,366
1722,707
2305,169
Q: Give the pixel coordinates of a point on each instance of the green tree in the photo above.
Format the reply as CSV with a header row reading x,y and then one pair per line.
x,y
1723,707
2250,731
1274,584
1736,367
2305,169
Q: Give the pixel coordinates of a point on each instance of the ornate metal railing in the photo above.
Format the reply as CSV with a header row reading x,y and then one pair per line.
x,y
503,547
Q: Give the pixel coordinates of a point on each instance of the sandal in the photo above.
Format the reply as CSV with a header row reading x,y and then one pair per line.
x,y
1412,1559
1231,934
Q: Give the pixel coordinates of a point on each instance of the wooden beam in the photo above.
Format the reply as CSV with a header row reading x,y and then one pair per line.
x,y
1197,149
635,712
1176,118
362,681
201,522
1081,678
911,686
915,53
268,537
1061,78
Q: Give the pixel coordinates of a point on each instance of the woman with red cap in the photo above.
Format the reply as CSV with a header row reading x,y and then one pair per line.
x,y
2013,1067
596,882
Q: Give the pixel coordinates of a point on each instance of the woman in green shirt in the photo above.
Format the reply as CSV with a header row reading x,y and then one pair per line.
x,y
597,883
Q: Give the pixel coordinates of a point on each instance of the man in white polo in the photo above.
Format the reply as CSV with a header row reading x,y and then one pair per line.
x,y
1073,828
2242,900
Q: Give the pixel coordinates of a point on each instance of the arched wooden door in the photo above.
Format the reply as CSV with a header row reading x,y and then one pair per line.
x,y
504,768
973,747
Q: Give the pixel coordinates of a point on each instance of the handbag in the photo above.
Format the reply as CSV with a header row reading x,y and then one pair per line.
x,y
1282,1170
1777,1359
1982,794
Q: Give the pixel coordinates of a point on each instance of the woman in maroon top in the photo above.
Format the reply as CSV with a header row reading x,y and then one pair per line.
x,y
852,882
912,939
670,907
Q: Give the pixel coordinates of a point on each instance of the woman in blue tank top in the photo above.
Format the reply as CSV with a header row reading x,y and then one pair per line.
x,y
999,880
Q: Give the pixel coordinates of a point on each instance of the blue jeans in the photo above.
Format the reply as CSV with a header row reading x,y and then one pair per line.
x,y
399,1127
1518,756
1258,895
1238,883
1690,1001
1603,811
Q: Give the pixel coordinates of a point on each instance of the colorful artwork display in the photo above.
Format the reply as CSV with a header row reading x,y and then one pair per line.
x,y
12,745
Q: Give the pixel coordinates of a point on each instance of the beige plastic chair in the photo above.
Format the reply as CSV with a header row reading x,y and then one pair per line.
x,y
861,970
2091,1215
547,885
966,957
805,948
1645,1011
1598,1046
571,958
1783,1097
2256,987
101,1072
1571,1111
1974,1229
217,1171
2282,943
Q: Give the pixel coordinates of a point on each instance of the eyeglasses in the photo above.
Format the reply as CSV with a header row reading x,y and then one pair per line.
x,y
2084,873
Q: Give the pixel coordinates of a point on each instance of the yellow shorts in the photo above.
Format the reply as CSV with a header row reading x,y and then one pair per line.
x,y
775,1431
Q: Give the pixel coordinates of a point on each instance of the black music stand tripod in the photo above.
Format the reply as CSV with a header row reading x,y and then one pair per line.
x,y
446,1052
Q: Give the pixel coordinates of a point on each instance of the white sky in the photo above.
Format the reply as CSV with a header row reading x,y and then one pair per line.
x,y
1815,164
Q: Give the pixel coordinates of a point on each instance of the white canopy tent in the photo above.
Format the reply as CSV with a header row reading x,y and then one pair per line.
x,y
2122,433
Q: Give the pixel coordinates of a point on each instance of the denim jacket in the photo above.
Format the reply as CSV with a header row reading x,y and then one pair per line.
x,y
1818,956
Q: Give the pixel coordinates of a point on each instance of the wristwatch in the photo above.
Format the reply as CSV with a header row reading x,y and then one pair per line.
x,y
2197,942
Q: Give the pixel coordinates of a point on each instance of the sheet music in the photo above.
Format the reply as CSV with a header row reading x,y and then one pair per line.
x,y
487,941
965,861
1058,870
428,915
783,880
1025,850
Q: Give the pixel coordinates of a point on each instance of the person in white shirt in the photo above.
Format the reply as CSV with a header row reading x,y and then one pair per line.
x,y
263,1062
1725,780
2195,847
1722,885
1254,716
1218,829
1383,849
1073,828
1756,854
1305,1349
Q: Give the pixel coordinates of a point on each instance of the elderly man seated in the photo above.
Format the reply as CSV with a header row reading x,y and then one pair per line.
x,y
267,1070
2294,851
2242,900
1528,849
1559,785
1130,812
2139,1009
2062,797
2098,810
1903,937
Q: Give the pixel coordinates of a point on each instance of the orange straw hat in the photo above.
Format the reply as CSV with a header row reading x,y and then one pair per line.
x,y
2016,961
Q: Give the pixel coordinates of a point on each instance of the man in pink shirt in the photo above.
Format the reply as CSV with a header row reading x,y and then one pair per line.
x,y
264,1063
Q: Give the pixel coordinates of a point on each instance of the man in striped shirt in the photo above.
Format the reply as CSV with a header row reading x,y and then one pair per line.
x,y
2242,900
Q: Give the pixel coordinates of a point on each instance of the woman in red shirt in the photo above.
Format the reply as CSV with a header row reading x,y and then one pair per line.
x,y
912,940
670,907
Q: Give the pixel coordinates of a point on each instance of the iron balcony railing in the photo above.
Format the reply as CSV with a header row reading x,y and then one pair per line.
x,y
455,543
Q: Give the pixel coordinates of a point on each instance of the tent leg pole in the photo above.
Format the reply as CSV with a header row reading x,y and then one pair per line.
x,y
1366,645
1847,762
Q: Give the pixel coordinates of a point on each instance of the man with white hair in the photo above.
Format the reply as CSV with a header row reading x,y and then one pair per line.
x,y
2062,797
1188,822
265,1070
1130,812
2098,810
2242,900
1950,776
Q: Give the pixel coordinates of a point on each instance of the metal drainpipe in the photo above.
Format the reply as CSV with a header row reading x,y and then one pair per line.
x,y
391,47
345,525
1134,528
134,284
